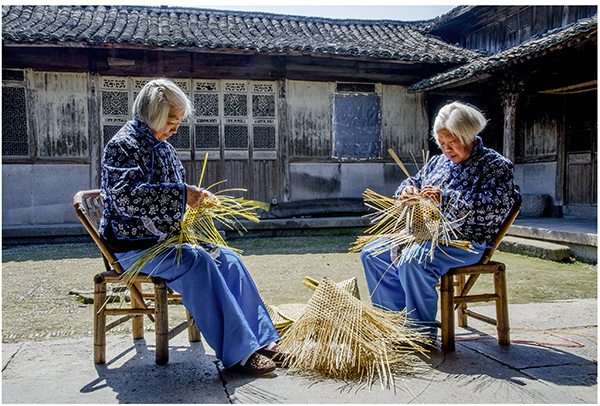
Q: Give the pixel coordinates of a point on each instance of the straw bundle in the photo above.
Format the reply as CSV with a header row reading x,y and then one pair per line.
x,y
342,337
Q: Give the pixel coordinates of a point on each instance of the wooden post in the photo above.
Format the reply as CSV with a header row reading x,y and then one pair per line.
x,y
560,190
447,310
99,320
162,321
510,125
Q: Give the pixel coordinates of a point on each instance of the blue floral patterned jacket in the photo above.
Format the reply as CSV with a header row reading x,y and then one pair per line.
x,y
142,189
477,193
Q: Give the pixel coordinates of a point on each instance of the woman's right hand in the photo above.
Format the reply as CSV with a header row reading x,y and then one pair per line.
x,y
196,197
409,193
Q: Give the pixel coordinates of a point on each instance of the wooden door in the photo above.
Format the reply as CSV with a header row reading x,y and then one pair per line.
x,y
581,162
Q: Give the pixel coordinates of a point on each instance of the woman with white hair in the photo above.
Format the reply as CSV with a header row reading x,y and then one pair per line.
x,y
473,186
145,194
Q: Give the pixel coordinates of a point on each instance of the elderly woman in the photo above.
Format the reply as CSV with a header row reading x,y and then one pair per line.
x,y
145,195
474,186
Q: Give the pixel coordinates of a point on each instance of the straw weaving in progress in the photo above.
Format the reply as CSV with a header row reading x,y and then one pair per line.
x,y
342,337
197,228
406,223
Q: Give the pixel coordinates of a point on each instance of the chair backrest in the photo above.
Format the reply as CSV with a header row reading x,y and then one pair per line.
x,y
514,211
88,205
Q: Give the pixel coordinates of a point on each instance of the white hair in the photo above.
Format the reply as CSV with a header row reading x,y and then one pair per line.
x,y
156,99
463,121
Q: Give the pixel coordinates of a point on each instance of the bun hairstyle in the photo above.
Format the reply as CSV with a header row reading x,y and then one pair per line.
x,y
156,99
462,120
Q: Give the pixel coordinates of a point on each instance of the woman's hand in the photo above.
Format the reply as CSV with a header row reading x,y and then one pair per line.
x,y
433,193
409,193
196,197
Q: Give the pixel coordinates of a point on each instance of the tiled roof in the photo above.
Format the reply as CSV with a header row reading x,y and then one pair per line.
x,y
201,28
551,41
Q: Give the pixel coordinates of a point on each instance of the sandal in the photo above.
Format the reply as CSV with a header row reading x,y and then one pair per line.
x,y
256,365
275,353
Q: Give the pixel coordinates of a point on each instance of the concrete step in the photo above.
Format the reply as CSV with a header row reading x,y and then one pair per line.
x,y
535,248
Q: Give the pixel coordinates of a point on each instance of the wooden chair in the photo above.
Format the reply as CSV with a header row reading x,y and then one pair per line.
x,y
88,206
451,300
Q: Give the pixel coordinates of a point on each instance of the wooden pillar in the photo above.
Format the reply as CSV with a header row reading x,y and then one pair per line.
x,y
560,190
510,125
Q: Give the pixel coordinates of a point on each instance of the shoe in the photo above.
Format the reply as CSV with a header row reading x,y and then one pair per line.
x,y
275,353
256,365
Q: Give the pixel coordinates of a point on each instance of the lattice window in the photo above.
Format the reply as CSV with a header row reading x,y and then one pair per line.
x,y
114,83
115,103
183,84
207,137
356,87
13,75
226,114
512,23
235,87
206,86
264,137
236,136
263,88
108,131
263,105
206,104
15,140
235,105
181,139
138,83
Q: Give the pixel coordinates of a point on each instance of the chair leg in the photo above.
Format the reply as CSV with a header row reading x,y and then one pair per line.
x,y
460,312
502,307
447,310
193,333
99,320
137,323
162,321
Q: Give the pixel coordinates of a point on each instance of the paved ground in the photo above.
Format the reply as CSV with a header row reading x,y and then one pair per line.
x,y
553,359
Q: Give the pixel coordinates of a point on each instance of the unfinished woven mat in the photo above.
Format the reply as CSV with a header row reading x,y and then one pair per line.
x,y
342,337
406,224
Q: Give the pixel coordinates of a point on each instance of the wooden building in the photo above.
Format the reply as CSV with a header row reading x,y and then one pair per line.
x,y
290,108
538,84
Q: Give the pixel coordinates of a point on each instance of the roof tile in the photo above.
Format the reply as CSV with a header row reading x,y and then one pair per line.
x,y
552,40
172,26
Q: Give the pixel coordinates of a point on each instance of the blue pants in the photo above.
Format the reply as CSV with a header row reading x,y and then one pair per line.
x,y
221,297
411,285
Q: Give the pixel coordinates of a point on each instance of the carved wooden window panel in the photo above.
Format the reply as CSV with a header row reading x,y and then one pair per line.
x,y
226,114
15,139
235,115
